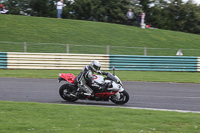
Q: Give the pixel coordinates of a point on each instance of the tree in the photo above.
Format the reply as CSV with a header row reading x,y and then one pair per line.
x,y
146,7
175,15
190,17
159,15
83,8
13,6
40,8
52,9
101,10
185,16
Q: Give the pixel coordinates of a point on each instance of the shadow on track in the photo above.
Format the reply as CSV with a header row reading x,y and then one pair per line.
x,y
92,103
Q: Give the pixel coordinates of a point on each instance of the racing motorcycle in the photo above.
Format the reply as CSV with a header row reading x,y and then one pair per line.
x,y
105,88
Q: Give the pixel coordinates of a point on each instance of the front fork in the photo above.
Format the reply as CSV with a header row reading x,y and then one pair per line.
x,y
117,95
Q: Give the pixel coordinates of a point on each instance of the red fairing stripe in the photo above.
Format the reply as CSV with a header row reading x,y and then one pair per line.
x,y
94,76
105,94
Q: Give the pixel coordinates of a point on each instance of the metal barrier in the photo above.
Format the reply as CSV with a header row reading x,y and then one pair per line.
x,y
154,63
3,60
15,60
53,60
198,64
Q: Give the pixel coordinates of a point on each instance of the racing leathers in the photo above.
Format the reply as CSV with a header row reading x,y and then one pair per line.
x,y
85,77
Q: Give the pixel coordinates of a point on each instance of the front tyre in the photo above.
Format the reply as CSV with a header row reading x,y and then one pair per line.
x,y
65,91
124,97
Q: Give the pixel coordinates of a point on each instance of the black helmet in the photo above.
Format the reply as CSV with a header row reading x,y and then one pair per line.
x,y
95,65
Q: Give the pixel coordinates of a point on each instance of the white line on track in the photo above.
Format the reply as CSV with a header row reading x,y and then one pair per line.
x,y
170,96
171,110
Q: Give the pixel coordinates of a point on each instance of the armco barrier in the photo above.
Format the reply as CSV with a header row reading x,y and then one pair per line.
x,y
154,63
53,61
3,60
198,64
15,60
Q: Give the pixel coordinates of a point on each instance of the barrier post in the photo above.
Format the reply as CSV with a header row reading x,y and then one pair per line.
x,y
108,49
145,51
25,47
67,48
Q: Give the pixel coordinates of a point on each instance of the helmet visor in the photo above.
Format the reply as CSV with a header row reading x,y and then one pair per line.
x,y
97,68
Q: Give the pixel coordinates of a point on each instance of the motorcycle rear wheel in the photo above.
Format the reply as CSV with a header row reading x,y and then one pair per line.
x,y
124,98
65,91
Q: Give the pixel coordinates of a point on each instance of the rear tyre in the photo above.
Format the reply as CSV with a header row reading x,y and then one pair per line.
x,y
124,98
65,91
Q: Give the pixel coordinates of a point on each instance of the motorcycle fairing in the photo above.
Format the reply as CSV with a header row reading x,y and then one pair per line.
x,y
69,77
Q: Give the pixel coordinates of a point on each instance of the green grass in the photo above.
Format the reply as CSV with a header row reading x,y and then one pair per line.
x,y
179,77
19,117
50,30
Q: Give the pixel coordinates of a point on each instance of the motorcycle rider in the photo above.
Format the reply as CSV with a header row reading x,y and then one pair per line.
x,y
86,76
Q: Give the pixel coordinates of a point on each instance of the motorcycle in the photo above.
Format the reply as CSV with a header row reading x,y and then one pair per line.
x,y
112,89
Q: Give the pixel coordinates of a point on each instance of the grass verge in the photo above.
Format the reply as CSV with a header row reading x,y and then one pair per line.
x,y
22,117
16,28
177,77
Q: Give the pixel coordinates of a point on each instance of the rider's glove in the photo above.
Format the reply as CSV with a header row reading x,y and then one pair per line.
x,y
104,73
101,72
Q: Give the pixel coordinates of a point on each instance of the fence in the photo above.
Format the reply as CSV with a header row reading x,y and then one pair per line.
x,y
91,49
16,60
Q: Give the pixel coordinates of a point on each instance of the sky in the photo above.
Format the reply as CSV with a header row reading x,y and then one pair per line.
x,y
196,1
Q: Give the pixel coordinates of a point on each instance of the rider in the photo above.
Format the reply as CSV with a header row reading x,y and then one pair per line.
x,y
86,76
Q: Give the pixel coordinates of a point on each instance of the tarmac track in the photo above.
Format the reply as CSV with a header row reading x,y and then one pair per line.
x,y
157,95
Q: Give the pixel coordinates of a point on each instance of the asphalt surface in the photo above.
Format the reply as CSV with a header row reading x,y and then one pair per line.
x,y
173,96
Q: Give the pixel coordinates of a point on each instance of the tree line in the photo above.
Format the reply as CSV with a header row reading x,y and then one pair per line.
x,y
164,14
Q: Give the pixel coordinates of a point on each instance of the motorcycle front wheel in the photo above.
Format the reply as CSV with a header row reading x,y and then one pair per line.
x,y
65,91
124,97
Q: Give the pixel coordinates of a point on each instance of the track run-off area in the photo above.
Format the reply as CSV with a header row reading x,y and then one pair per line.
x,y
182,97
